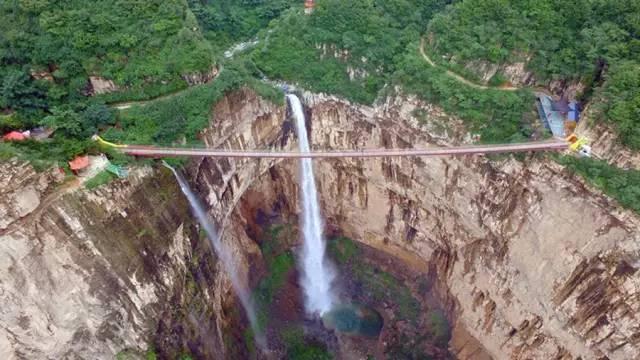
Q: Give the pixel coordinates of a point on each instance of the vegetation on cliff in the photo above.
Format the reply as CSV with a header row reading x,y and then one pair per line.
x,y
622,185
498,116
619,102
183,116
347,48
359,49
557,39
225,22
134,43
353,49
48,51
420,330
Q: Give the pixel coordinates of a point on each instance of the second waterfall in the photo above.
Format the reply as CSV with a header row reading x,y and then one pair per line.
x,y
317,273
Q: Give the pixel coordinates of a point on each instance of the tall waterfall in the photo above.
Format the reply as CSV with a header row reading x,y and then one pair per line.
x,y
225,256
317,273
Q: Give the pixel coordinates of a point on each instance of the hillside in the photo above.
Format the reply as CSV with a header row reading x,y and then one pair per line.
x,y
361,50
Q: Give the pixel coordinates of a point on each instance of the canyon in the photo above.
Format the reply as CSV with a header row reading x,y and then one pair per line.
x,y
527,260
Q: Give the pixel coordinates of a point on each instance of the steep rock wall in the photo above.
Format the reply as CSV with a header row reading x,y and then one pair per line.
x,y
606,144
88,274
536,263
533,262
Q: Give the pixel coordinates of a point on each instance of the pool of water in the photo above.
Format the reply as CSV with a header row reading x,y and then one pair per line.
x,y
353,319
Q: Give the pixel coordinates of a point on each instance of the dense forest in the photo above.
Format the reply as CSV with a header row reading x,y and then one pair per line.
x,y
362,50
573,39
134,43
225,22
49,48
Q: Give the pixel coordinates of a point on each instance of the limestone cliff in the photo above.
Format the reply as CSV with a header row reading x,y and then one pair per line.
x,y
534,263
531,261
606,144
88,274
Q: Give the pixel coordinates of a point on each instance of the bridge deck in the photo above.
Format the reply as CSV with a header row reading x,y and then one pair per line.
x,y
367,153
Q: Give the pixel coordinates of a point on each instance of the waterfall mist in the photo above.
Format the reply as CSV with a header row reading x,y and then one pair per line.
x,y
317,273
224,255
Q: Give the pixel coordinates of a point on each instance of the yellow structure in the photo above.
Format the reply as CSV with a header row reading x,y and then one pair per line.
x,y
579,145
107,143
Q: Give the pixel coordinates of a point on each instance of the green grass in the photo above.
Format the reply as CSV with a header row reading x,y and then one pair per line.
x,y
343,249
276,277
298,348
151,354
377,284
249,341
7,151
279,260
439,327
382,286
102,178
622,185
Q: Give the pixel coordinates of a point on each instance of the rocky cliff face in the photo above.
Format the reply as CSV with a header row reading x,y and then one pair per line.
x,y
530,261
606,145
89,274
533,262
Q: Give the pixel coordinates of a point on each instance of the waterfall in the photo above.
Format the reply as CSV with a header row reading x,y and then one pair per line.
x,y
317,273
224,255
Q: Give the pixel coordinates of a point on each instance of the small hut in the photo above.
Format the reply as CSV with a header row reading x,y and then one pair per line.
x,y
78,164
308,6
14,136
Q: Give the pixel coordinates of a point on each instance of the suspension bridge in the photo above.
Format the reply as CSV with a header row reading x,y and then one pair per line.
x,y
158,151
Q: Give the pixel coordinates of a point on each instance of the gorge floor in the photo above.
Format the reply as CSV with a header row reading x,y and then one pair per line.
x,y
414,324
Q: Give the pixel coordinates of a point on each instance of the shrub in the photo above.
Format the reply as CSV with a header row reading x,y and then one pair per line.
x,y
622,185
102,178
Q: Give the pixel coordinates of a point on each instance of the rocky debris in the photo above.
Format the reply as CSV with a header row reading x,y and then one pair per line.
x,y
201,78
99,85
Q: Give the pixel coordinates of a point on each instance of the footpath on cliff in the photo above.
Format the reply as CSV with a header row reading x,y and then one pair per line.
x,y
460,78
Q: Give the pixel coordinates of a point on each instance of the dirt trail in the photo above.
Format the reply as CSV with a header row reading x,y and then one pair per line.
x,y
460,78
127,104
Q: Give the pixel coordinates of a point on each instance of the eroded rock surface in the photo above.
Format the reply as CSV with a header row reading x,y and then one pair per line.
x,y
88,274
536,263
532,262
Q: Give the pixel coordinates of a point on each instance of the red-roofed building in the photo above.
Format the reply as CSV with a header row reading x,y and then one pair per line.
x,y
79,163
14,136
308,6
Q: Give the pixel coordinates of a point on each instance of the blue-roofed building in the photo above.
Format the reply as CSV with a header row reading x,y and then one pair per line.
x,y
555,114
552,119
574,111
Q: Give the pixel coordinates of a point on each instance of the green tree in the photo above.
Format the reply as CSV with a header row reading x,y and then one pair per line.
x,y
20,92
621,103
97,115
66,122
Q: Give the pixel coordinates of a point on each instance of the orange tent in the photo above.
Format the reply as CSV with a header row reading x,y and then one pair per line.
x,y
79,163
14,136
